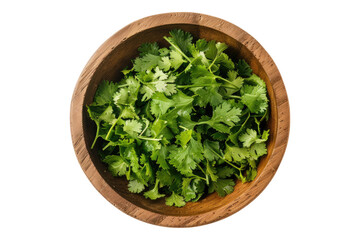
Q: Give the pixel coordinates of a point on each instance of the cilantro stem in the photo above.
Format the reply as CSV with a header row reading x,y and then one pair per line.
x,y
245,112
198,177
124,85
232,96
222,157
205,179
232,165
212,63
112,126
197,85
201,169
149,139
225,80
97,135
264,115
177,49
183,128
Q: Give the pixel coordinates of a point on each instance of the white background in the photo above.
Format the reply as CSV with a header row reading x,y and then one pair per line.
x,y
44,46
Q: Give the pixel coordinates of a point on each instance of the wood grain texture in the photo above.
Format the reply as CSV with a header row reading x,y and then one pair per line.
x,y
114,55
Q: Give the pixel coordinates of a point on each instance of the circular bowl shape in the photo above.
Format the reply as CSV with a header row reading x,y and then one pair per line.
x,y
115,54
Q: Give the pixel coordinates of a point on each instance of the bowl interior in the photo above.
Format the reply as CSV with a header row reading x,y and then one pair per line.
x,y
110,68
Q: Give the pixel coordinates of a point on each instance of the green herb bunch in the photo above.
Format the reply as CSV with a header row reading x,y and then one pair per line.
x,y
183,122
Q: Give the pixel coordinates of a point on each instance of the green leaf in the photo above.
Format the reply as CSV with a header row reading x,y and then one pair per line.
x,y
160,157
201,45
211,150
154,193
236,154
165,63
148,92
257,150
224,114
187,191
255,98
176,60
184,137
248,138
182,39
147,62
101,113
116,165
104,93
244,68
149,48
211,171
185,160
132,127
255,80
223,187
166,178
225,61
135,186
160,104
225,171
159,74
175,200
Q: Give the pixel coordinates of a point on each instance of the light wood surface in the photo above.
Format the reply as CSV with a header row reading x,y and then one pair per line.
x,y
114,55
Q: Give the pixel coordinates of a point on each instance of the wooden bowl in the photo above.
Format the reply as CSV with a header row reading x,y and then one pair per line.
x,y
114,55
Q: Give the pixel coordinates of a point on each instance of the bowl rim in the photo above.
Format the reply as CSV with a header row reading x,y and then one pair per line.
x,y
281,102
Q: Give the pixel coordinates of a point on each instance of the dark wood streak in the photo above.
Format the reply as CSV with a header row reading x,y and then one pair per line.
x,y
114,55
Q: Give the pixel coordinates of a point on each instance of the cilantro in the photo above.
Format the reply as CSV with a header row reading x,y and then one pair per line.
x,y
135,186
183,122
175,200
154,193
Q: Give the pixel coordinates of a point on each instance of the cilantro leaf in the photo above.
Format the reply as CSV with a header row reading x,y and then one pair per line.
x,y
105,92
132,127
255,98
244,68
236,154
116,165
160,157
175,200
176,59
135,186
147,62
149,48
184,137
160,104
185,159
223,187
182,39
154,193
248,138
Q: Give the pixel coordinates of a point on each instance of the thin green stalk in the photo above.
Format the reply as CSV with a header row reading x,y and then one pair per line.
x,y
199,85
124,85
183,128
206,179
235,97
212,63
112,126
225,80
97,134
263,117
177,49
201,169
149,139
198,177
232,165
